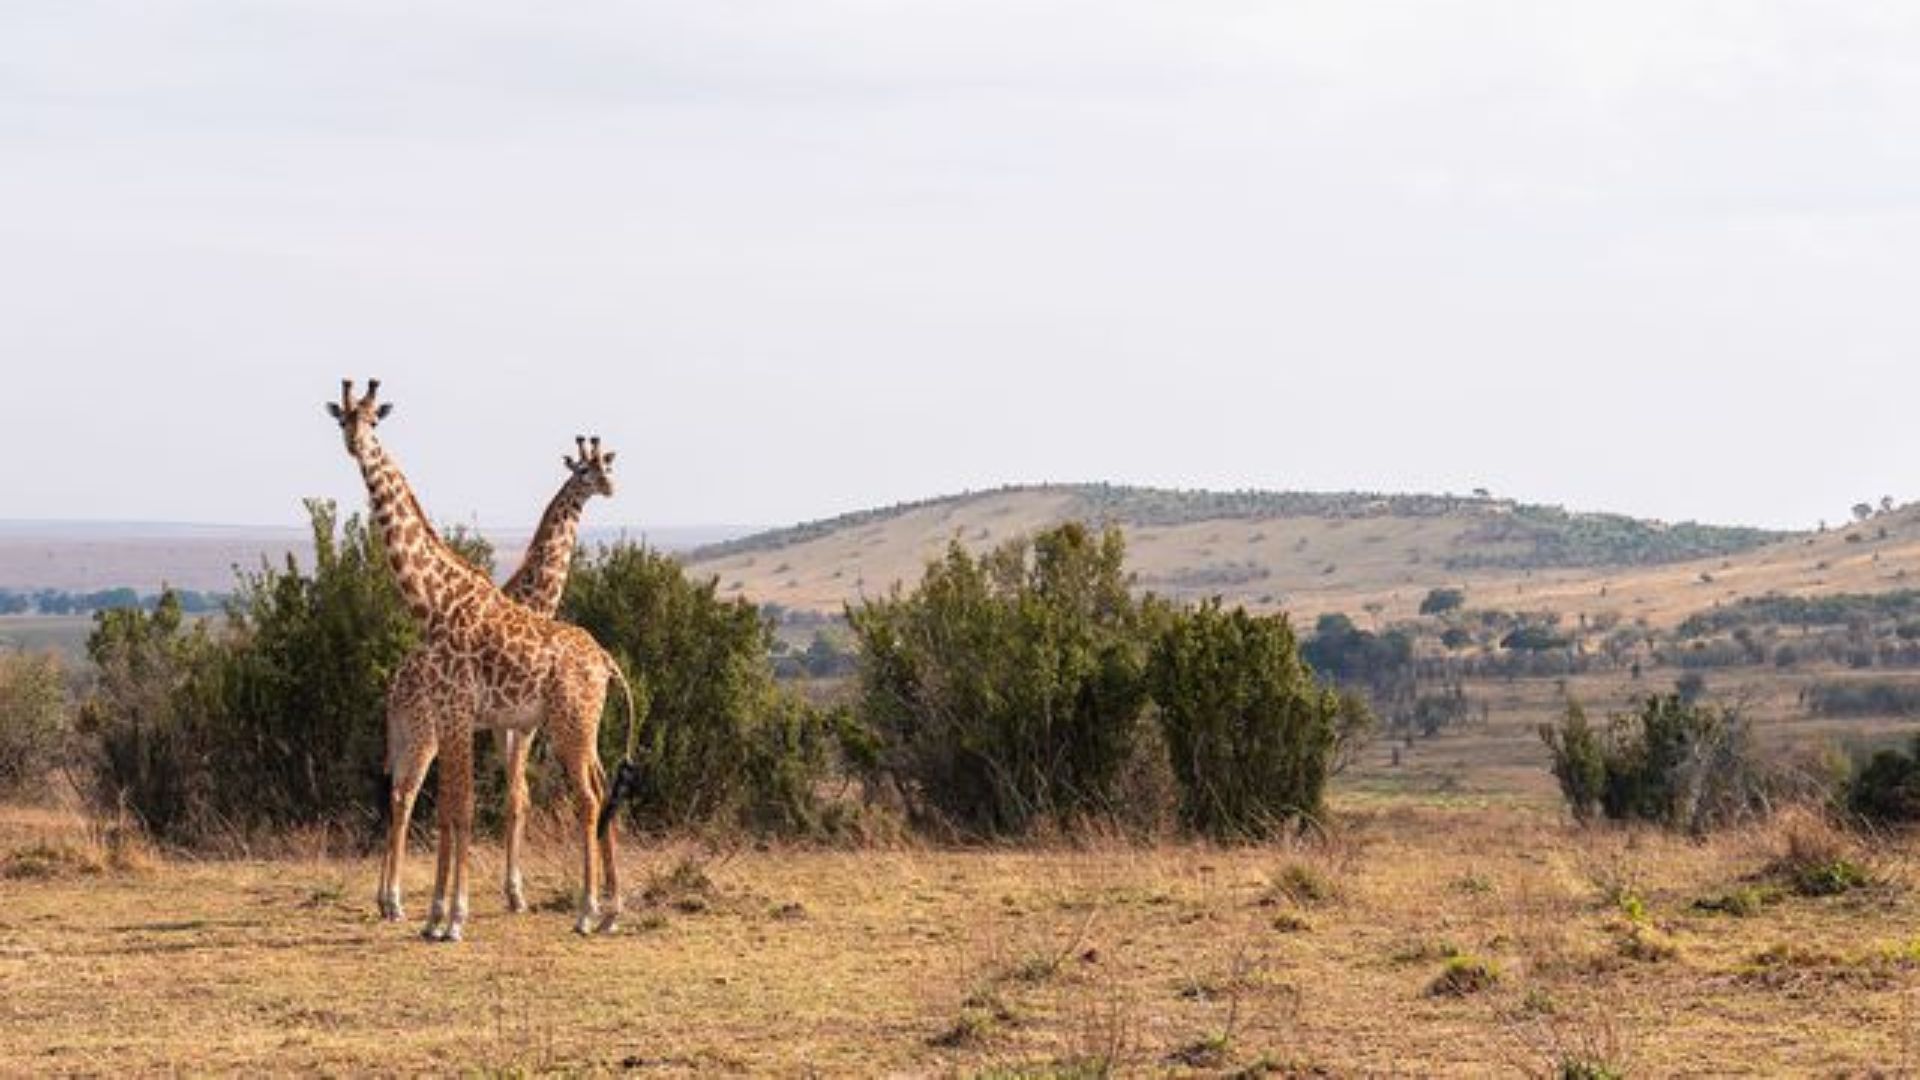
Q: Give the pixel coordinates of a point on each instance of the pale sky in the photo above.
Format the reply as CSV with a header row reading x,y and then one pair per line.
x,y
798,258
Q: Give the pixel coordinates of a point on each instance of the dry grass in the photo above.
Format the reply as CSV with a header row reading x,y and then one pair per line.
x,y
1170,959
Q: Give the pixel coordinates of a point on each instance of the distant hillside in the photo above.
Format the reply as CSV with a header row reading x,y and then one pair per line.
x,y
1303,551
1517,535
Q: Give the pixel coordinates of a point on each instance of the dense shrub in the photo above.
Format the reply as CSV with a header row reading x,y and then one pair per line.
x,y
1441,601
1251,734
1887,787
275,718
1676,763
1004,692
718,742
34,722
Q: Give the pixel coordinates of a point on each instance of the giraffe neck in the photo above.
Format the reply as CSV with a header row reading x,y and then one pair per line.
x,y
542,576
433,578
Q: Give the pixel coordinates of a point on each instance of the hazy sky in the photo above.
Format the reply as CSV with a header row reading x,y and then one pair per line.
x,y
795,258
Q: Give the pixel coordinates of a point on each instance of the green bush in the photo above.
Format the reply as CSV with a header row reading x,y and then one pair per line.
x,y
718,742
1251,733
272,720
1673,762
1887,788
1440,601
34,722
1004,693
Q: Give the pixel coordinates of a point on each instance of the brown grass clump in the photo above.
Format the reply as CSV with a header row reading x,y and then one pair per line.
x,y
1821,859
1464,976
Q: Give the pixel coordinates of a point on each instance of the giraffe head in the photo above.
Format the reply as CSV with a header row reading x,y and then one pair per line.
x,y
593,469
357,418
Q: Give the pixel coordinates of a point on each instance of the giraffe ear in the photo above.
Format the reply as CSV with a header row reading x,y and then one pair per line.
x,y
381,412
567,460
608,456
333,409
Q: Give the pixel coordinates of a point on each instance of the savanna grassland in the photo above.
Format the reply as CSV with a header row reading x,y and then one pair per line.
x,y
1430,937
1448,918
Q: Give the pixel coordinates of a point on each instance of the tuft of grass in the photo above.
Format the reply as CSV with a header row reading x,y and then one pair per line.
x,y
1302,883
1577,1067
44,861
1820,860
1464,976
1288,922
1742,902
1646,944
1474,885
685,887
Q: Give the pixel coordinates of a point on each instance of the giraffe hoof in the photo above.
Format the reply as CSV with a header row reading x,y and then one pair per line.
x,y
430,932
609,925
454,935
517,904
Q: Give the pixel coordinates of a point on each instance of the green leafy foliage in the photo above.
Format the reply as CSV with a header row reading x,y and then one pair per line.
x,y
718,741
1251,733
277,719
1673,762
1887,788
34,722
1005,692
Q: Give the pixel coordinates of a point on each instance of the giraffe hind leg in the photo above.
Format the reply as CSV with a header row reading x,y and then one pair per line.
x,y
519,747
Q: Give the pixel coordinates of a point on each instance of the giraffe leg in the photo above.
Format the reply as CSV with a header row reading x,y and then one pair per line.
x,y
518,748
456,788
610,902
409,770
434,929
576,753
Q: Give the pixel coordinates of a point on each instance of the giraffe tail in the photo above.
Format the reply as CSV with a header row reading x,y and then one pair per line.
x,y
626,777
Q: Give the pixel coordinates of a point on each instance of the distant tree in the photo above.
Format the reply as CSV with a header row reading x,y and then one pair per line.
x,y
1690,687
1886,504
1862,511
1534,637
1456,637
1442,600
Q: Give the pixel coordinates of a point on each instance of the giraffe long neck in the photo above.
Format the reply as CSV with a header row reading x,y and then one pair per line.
x,y
542,575
432,577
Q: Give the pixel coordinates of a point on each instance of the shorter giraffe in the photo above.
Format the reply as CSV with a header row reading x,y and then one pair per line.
x,y
490,662
538,585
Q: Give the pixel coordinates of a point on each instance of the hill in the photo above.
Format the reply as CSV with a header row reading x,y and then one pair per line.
x,y
1316,552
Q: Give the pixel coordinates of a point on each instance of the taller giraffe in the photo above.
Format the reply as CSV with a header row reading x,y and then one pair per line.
x,y
490,662
537,584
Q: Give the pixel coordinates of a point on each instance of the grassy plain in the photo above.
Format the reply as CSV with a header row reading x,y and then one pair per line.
x,y
1453,869
1184,959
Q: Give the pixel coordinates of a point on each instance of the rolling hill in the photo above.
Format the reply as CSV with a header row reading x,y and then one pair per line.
x,y
1311,553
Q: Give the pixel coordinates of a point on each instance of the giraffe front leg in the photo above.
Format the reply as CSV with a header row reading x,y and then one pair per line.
x,y
519,747
434,930
409,770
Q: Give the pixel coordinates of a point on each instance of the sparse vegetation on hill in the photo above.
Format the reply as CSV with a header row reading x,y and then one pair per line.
x,y
1531,536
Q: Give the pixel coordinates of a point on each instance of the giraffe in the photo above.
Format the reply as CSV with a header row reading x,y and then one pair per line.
x,y
490,662
537,585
